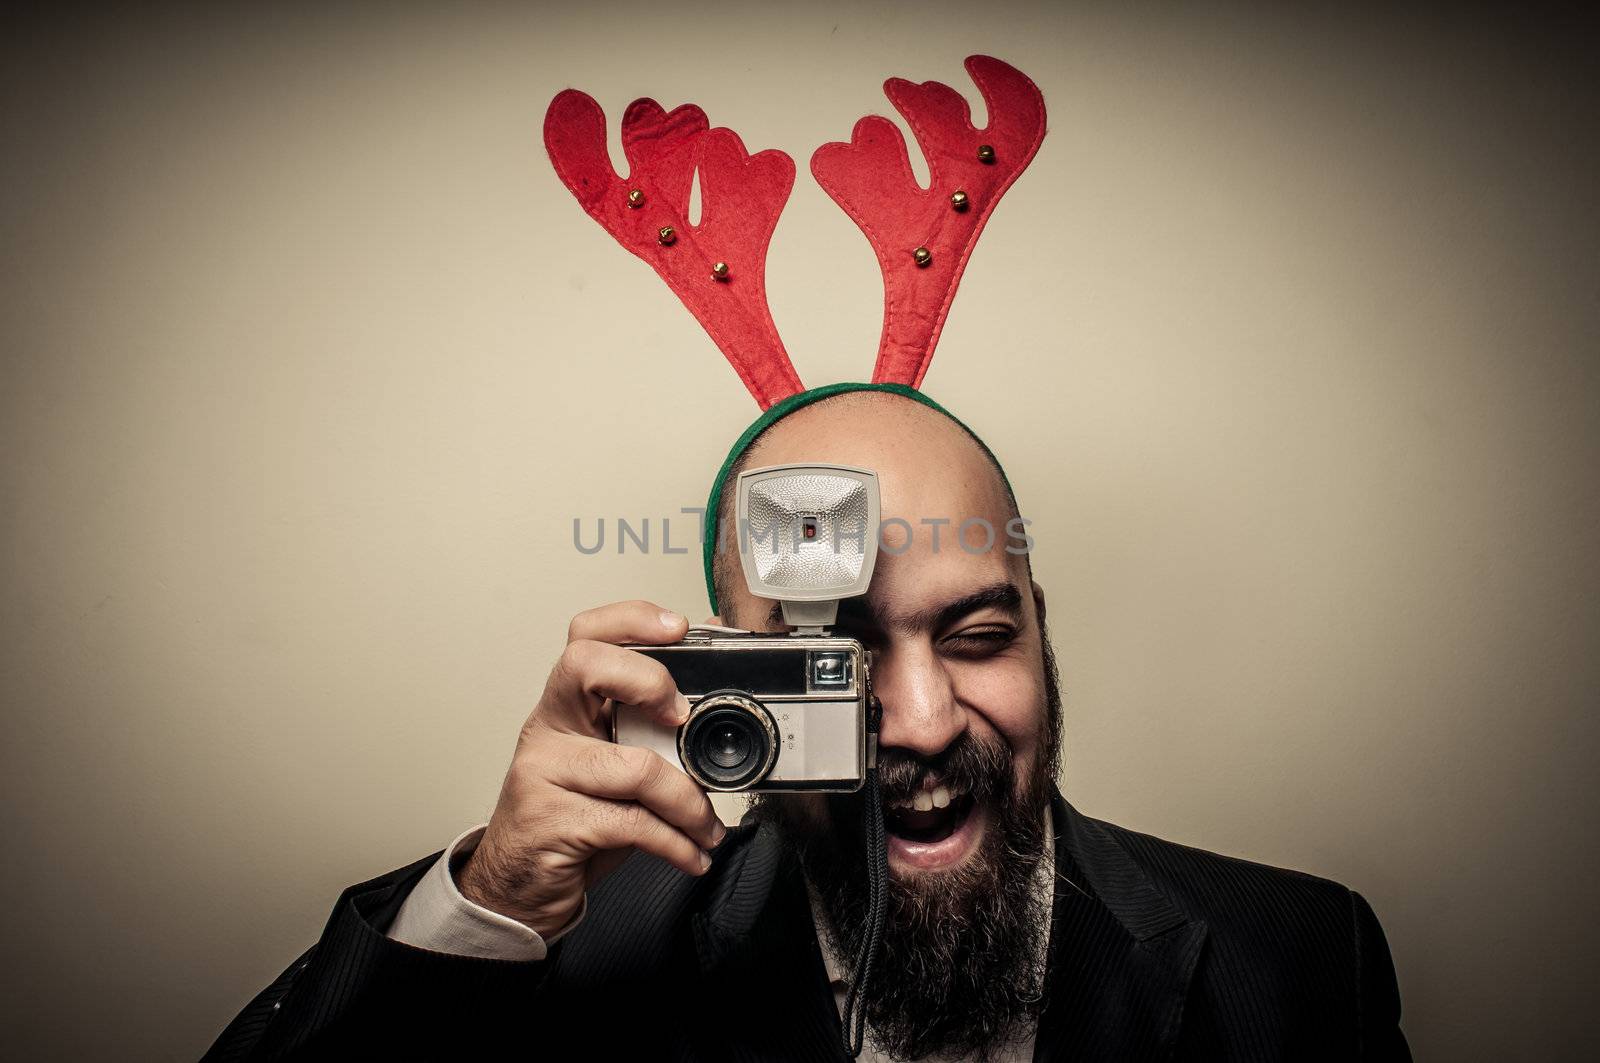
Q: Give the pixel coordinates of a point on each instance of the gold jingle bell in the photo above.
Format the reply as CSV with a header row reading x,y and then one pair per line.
x,y
922,256
666,235
635,198
719,271
985,153
958,199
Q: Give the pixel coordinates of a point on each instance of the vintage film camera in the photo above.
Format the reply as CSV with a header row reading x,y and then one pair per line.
x,y
784,712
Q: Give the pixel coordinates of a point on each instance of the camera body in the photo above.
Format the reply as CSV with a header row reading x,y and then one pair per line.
x,y
779,712
767,712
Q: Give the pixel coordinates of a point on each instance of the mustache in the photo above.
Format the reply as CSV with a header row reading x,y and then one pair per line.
x,y
980,767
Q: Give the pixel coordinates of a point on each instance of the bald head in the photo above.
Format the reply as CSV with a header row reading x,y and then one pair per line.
x,y
933,474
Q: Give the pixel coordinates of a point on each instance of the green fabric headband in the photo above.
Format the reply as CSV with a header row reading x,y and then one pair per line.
x,y
777,412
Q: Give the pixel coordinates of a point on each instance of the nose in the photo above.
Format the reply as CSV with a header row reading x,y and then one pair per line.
x,y
920,711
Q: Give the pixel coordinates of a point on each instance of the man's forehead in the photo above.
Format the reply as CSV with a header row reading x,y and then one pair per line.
x,y
922,571
928,612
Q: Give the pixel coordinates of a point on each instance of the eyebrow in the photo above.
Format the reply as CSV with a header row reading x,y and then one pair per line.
x,y
1003,596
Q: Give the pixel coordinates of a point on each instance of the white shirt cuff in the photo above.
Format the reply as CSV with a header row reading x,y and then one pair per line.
x,y
438,918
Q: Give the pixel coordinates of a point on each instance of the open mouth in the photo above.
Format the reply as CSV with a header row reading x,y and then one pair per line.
x,y
929,816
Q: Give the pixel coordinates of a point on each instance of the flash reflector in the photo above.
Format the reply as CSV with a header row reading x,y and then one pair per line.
x,y
808,536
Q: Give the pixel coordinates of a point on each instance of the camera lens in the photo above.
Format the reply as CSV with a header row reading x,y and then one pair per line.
x,y
729,743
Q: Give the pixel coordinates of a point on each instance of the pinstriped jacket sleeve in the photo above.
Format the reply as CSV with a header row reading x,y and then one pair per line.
x,y
358,993
1378,999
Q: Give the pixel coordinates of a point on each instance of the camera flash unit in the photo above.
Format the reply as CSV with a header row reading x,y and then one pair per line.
x,y
808,536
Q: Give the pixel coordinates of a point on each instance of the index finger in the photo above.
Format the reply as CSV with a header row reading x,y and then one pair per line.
x,y
634,621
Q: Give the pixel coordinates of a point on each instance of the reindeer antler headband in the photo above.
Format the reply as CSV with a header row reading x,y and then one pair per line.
x,y
922,237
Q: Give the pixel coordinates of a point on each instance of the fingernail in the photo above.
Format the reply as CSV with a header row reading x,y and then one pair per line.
x,y
705,862
683,708
718,833
670,619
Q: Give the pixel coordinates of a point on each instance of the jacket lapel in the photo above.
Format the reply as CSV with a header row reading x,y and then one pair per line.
x,y
1121,956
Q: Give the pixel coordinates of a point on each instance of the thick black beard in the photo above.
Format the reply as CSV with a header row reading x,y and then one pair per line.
x,y
961,971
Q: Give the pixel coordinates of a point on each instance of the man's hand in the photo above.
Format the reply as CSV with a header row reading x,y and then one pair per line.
x,y
574,804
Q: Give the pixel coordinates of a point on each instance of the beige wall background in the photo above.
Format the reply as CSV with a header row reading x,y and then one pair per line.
x,y
1288,339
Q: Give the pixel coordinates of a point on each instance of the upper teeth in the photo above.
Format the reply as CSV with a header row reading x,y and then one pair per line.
x,y
927,800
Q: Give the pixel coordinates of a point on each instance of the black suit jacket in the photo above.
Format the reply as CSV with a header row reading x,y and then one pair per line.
x,y
1157,952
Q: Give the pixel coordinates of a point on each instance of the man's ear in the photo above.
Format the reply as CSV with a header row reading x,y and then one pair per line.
x,y
1038,601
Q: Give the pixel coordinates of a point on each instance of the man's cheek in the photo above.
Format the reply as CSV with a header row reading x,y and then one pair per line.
x,y
1009,698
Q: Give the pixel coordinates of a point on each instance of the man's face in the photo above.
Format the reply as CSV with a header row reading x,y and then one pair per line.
x,y
955,634
968,739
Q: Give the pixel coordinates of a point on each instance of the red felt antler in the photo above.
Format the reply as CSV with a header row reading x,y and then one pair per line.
x,y
924,237
718,268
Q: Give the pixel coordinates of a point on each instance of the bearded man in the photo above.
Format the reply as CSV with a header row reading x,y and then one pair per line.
x,y
602,913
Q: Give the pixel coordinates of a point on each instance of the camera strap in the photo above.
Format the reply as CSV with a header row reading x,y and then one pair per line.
x,y
855,1001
